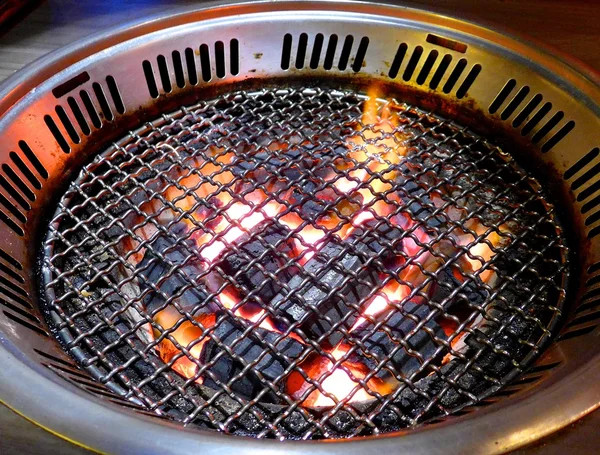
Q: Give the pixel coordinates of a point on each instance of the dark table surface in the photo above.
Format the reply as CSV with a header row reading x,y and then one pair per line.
x,y
572,27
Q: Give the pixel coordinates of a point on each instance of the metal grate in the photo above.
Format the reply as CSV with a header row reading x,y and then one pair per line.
x,y
304,263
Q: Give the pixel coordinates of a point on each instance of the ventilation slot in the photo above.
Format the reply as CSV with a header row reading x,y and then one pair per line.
x,y
412,63
12,209
14,193
163,71
440,71
575,333
205,63
234,57
11,224
178,68
102,101
12,175
90,108
548,127
502,96
345,55
359,58
190,61
220,59
558,136
66,122
286,51
26,324
455,75
25,170
83,125
115,94
26,314
330,54
11,273
315,58
398,58
150,81
579,182
33,159
514,103
537,118
429,62
54,358
468,82
301,50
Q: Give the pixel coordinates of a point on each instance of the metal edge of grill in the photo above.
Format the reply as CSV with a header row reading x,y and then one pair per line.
x,y
581,323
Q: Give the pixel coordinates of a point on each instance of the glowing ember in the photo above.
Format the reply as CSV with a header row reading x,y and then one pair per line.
x,y
219,211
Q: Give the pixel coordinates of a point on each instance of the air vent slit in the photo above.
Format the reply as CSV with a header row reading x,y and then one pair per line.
x,y
286,51
14,275
19,183
515,102
537,118
440,71
14,193
27,173
527,110
115,94
447,43
502,96
26,324
11,224
593,232
12,209
412,63
361,53
33,159
150,80
66,370
330,54
468,82
345,55
558,136
205,66
102,101
14,297
20,311
589,191
234,57
590,205
587,176
455,75
190,62
163,71
14,287
91,109
81,121
315,57
66,122
592,218
10,260
583,162
66,87
178,68
220,70
426,69
550,124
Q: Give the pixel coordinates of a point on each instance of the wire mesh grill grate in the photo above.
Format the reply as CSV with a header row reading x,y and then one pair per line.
x,y
304,263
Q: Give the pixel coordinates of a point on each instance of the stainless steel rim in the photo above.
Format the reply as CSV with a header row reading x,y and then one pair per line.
x,y
491,430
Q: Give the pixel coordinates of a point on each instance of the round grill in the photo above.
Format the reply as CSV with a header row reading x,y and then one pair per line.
x,y
304,263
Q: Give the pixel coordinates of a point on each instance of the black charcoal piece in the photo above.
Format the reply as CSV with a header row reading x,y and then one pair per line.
x,y
267,250
342,280
471,295
377,239
419,205
378,345
249,348
162,267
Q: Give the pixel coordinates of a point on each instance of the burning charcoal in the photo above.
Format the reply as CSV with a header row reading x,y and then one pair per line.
x,y
377,239
268,249
310,303
447,282
249,348
162,264
378,345
419,204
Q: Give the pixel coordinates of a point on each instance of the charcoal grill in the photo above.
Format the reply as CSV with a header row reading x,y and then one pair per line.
x,y
371,225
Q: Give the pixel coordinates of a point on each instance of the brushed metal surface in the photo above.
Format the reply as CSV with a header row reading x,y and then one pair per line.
x,y
572,27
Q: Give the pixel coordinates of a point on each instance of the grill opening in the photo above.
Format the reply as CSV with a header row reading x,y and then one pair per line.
x,y
304,263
